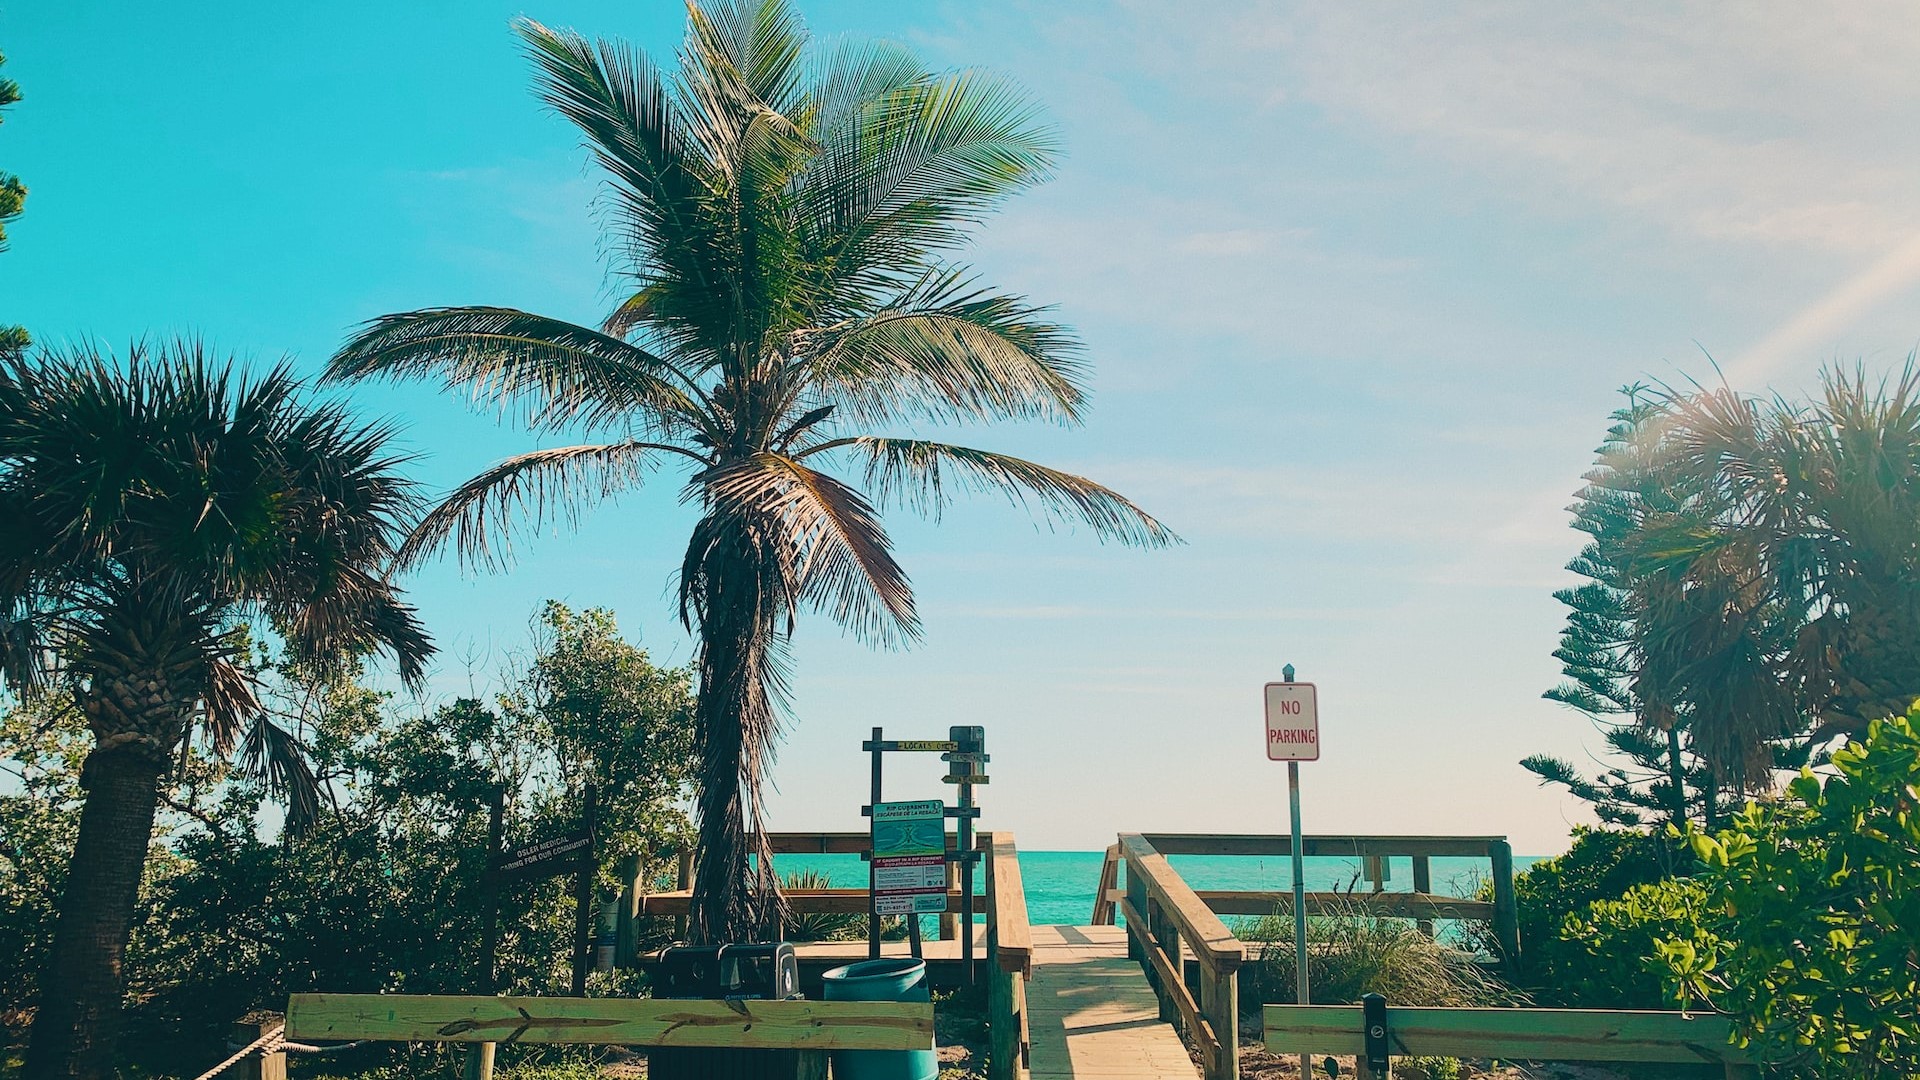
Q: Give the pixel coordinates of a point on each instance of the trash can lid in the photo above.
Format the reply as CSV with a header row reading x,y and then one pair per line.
x,y
875,969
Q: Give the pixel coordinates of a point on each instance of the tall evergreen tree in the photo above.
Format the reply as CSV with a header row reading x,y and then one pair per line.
x,y
1599,651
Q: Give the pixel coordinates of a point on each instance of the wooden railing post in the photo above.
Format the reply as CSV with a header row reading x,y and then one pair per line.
x,y
1423,883
258,1066
1137,900
1506,909
1109,881
1220,1003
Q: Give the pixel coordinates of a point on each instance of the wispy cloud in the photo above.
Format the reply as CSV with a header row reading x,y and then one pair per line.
x,y
1816,326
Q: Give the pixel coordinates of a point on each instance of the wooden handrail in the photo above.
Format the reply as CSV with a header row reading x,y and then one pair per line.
x,y
1171,982
1330,846
1403,905
828,843
804,901
1103,894
1007,904
1199,927
1521,1034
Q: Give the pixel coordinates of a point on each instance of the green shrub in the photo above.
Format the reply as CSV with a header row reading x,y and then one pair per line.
x,y
1810,931
1558,970
1804,920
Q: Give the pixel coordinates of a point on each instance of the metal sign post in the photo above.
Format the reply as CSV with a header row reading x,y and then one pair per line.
x,y
1293,736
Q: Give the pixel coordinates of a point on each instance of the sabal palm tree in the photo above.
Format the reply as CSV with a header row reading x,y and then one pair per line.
x,y
155,508
1824,515
785,223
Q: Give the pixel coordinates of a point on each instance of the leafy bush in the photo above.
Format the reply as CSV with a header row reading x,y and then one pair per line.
x,y
1804,920
1811,932
1558,970
1350,955
385,892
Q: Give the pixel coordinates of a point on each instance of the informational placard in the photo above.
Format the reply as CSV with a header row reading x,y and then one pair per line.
x,y
555,855
1293,722
909,864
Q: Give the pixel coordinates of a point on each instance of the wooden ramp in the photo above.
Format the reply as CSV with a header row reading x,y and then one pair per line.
x,y
1092,1013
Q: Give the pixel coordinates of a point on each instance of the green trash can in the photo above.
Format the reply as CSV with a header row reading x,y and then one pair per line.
x,y
882,980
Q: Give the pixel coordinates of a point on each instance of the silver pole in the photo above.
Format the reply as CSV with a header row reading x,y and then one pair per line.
x,y
1301,995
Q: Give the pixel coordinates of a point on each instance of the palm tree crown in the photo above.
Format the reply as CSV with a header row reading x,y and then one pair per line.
x,y
785,222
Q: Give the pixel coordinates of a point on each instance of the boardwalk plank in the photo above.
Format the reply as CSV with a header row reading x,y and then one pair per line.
x,y
1092,1013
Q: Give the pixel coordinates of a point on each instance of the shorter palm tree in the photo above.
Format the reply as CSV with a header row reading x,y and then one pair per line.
x,y
154,510
1821,537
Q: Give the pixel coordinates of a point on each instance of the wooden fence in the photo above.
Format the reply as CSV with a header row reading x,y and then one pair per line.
x,y
1421,904
1165,921
1579,1035
810,1028
639,900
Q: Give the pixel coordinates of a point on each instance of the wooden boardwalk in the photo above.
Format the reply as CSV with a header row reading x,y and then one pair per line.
x,y
1092,1013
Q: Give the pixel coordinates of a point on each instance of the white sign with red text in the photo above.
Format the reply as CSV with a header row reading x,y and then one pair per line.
x,y
1293,722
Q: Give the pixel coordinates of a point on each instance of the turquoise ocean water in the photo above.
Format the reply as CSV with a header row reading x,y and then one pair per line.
x,y
1060,884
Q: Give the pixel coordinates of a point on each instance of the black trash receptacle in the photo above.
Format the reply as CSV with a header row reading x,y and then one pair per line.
x,y
761,971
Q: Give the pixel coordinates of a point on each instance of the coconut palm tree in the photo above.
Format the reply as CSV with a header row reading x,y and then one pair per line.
x,y
785,223
155,508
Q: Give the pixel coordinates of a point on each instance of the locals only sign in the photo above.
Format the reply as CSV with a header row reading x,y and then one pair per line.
x,y
1293,722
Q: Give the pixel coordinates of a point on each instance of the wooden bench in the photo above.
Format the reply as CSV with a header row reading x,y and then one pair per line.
x,y
810,1027
1514,1034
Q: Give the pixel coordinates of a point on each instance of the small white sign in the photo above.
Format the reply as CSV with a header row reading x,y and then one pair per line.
x,y
1293,722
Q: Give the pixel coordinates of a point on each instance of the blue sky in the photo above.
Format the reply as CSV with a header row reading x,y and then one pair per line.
x,y
1359,282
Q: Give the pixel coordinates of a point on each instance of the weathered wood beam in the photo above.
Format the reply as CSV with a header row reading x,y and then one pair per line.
x,y
1520,1034
1404,905
803,1025
806,901
1008,904
1476,847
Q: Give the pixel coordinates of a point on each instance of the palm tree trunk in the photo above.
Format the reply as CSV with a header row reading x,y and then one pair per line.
x,y
76,1030
735,891
1677,776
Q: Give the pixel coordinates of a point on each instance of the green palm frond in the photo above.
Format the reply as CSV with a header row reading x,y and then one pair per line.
x,y
563,374
950,352
527,491
923,474
281,762
926,159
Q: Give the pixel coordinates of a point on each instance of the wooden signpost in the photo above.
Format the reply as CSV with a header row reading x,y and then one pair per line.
x,y
908,857
571,852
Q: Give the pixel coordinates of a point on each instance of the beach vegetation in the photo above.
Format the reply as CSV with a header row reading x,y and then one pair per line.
x,y
1801,922
385,889
786,223
13,202
1351,954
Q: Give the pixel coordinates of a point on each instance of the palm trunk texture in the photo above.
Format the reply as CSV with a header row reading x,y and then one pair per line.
x,y
735,891
77,1027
